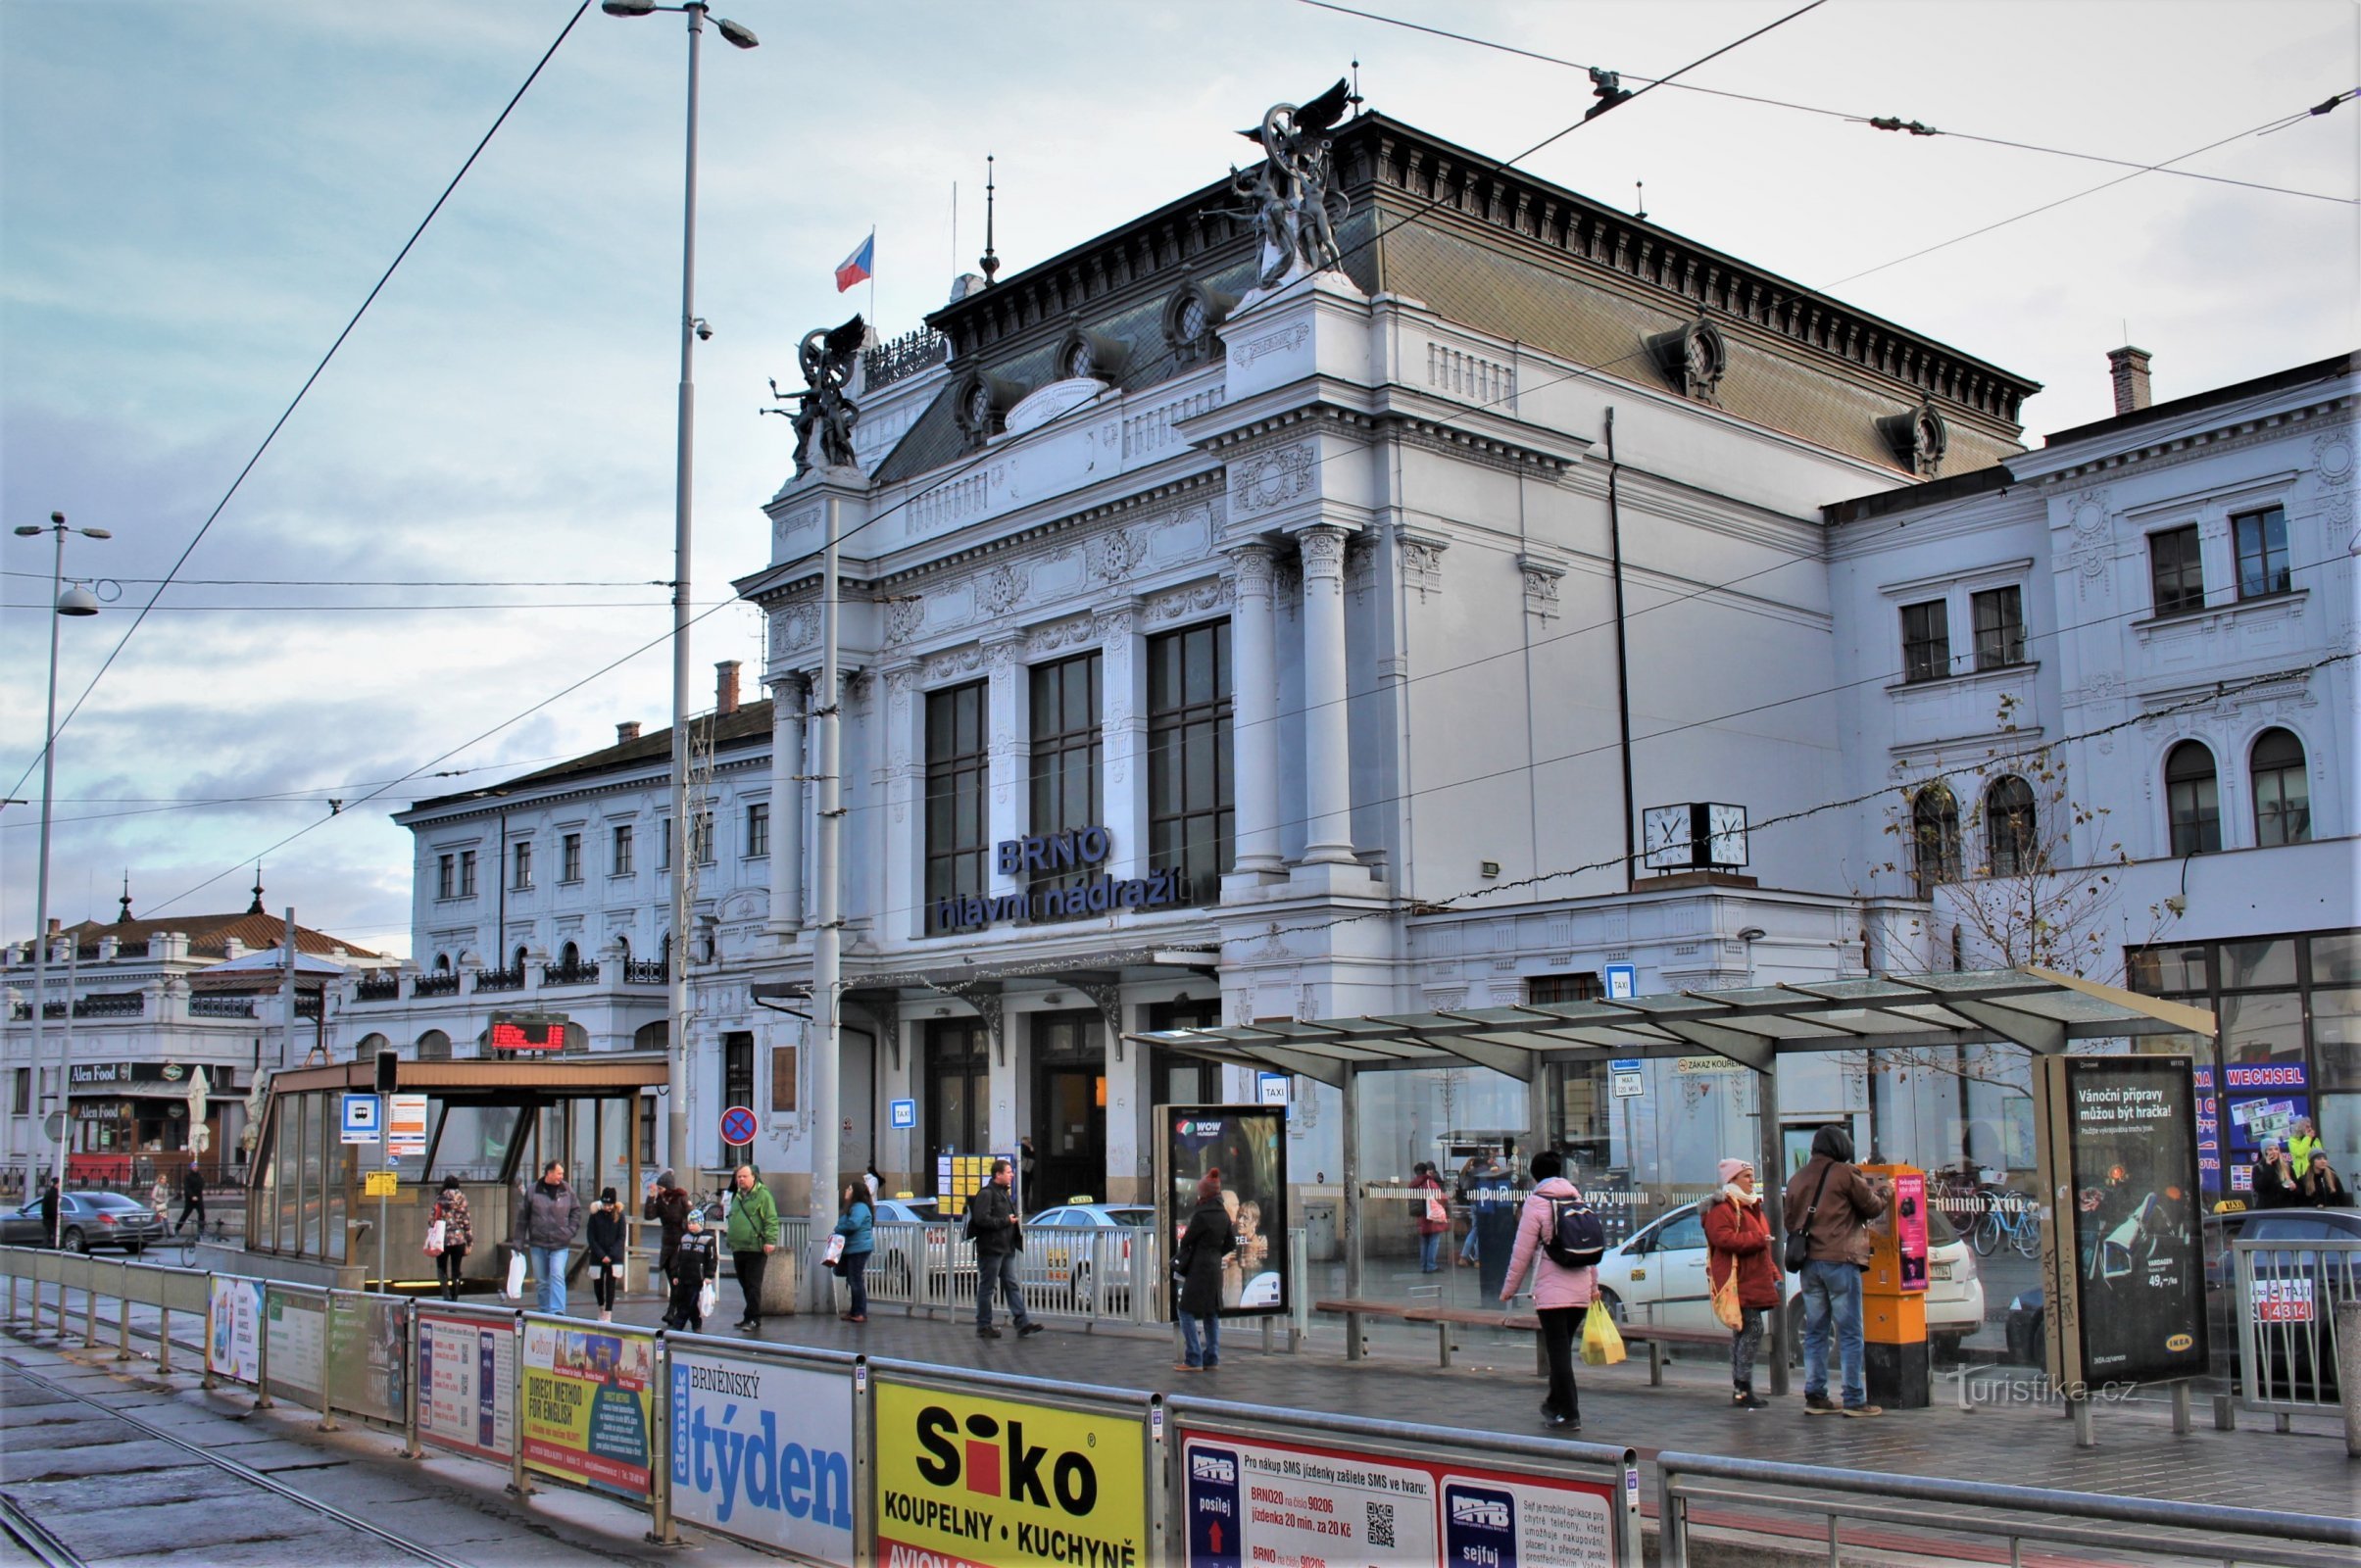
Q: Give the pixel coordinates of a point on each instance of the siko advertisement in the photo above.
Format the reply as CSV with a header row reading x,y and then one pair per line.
x,y
763,1452
973,1483
1253,1500
233,1329
466,1384
1248,1145
587,1405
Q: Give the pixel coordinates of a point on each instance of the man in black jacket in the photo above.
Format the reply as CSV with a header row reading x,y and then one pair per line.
x,y
192,1199
999,1237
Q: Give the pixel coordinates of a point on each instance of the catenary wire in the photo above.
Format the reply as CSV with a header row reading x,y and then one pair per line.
x,y
381,582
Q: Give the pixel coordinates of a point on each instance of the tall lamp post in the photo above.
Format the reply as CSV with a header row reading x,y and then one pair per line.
x,y
75,601
676,955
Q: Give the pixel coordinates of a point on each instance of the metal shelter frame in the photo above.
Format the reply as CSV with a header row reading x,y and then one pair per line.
x,y
2039,1009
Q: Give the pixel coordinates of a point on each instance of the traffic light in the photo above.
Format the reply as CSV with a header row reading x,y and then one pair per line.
x,y
389,1063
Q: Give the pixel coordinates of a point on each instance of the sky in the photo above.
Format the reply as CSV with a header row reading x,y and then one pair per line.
x,y
470,511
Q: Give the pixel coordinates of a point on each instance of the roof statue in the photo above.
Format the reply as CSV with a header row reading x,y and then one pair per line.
x,y
825,417
1296,211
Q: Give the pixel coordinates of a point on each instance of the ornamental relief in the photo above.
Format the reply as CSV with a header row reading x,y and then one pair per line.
x,y
1198,597
1115,555
1072,632
1272,478
904,617
1421,561
956,663
1001,588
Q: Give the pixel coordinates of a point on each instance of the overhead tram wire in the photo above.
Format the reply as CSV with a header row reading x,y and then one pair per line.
x,y
381,582
1879,121
289,412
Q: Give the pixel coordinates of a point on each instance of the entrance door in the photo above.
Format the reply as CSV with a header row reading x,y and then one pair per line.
x,y
958,1089
1069,1108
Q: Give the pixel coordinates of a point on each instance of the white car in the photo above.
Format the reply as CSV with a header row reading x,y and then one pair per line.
x,y
1658,1276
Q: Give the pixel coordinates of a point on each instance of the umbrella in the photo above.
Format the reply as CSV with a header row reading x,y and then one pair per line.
x,y
199,1135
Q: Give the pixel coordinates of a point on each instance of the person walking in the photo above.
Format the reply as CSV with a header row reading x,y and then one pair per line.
x,y
999,1236
607,1245
696,1259
1434,1217
49,1206
2322,1186
1737,1238
668,1205
1831,1203
2274,1182
1197,1263
458,1235
2303,1142
1464,1195
752,1235
551,1221
1560,1294
859,1241
192,1199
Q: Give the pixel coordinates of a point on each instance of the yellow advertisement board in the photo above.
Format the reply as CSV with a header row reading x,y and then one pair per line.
x,y
589,1404
964,1482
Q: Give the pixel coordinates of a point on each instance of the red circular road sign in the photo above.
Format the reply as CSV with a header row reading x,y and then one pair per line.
x,y
737,1126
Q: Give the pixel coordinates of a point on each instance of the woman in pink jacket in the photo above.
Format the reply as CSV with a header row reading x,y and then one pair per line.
x,y
1560,1294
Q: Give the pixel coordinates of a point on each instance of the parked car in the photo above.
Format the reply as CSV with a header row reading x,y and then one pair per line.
x,y
1051,1245
1658,1276
87,1222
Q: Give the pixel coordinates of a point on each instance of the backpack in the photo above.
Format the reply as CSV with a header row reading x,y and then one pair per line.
x,y
1576,1238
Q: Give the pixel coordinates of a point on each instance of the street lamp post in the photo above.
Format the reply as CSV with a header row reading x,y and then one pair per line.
x,y
676,955
75,601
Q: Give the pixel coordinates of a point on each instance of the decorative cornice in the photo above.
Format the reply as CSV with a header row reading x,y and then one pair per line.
x,y
2229,437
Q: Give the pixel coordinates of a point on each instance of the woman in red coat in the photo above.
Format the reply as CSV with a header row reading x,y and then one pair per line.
x,y
1737,1234
1433,1216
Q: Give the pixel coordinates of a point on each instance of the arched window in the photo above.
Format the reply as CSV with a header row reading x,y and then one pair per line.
x,y
1934,838
622,946
434,1045
2283,794
570,958
366,1049
517,962
2191,800
2009,828
442,963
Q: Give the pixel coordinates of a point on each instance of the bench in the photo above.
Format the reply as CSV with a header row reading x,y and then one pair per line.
x,y
1445,1318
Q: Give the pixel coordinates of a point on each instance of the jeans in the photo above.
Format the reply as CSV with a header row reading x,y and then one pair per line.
x,y
1430,1252
1194,1353
1467,1249
997,1271
449,1267
549,1275
1745,1340
603,1283
750,1267
855,1267
1560,1325
1832,1304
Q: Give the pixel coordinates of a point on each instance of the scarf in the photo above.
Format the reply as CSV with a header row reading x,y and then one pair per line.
x,y
1741,1198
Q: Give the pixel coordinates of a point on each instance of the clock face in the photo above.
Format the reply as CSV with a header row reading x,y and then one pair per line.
x,y
1726,835
1664,837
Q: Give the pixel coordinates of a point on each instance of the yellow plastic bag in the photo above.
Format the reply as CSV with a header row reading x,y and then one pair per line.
x,y
1726,1309
1601,1341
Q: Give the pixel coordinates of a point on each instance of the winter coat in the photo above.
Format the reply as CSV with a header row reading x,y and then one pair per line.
x,y
1552,1285
1424,1188
668,1206
853,1227
552,1216
1738,1236
47,1206
754,1219
698,1258
2273,1188
192,1185
992,1221
606,1236
1209,1238
2328,1193
459,1226
1840,1231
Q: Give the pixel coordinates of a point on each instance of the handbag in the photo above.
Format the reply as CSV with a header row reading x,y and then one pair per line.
x,y
435,1239
514,1285
1725,1300
1799,1240
1601,1341
1436,1213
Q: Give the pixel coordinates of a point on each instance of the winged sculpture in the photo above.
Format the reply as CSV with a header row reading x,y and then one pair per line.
x,y
824,415
1296,211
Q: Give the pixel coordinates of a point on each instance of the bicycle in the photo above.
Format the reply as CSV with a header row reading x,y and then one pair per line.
x,y
2011,1217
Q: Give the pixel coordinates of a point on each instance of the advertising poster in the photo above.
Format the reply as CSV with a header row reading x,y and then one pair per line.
x,y
2209,1136
964,1482
1292,1505
234,1330
763,1452
467,1382
2122,1160
2259,1099
1248,1145
365,1356
294,1326
1911,1227
588,1393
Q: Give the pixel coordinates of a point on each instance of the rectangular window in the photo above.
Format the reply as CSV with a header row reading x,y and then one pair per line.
x,y
1927,641
664,847
705,838
620,857
1191,822
446,878
738,1089
1067,752
1543,989
24,1094
2173,570
570,858
757,829
524,855
2000,627
2262,544
957,773
782,1080
467,873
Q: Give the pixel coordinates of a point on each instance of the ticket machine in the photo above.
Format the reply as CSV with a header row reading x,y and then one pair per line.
x,y
1893,1295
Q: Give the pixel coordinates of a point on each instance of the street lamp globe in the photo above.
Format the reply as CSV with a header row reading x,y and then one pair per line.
x,y
77,599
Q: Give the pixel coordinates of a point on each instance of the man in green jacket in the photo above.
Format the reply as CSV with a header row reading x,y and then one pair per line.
x,y
752,1235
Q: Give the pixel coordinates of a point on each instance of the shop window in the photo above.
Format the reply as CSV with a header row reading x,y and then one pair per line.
x,y
2009,842
2283,794
2175,576
1926,641
1191,816
1067,750
2261,538
1934,838
2191,799
2000,627
956,773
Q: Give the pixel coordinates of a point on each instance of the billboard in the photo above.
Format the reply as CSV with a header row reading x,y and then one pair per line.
x,y
233,1327
1248,1145
587,1405
763,1452
2122,1259
468,1384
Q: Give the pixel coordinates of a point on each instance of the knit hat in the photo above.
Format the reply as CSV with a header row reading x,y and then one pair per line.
x,y
607,1196
1208,1185
663,1178
1728,1169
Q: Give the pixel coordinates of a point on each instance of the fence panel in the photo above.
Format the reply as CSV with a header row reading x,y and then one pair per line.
x,y
368,1367
233,1327
465,1381
2287,1296
586,1405
760,1444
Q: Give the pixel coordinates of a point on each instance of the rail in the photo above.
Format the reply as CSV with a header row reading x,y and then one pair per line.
x,y
2285,1306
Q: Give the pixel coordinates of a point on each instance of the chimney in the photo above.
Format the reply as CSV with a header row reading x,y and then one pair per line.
x,y
57,927
2130,368
726,688
628,730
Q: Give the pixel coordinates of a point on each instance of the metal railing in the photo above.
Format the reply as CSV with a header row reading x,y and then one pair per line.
x,y
221,1007
444,984
1105,1275
2285,1301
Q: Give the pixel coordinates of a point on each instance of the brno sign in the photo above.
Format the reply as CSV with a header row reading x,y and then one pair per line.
x,y
763,1452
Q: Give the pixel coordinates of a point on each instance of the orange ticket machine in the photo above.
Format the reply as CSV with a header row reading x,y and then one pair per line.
x,y
1893,1295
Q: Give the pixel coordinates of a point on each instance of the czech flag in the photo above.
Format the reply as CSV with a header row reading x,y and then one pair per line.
x,y
854,268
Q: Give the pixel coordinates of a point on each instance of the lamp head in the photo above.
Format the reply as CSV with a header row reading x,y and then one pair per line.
x,y
94,533
627,8
736,32
25,531
78,600
1753,933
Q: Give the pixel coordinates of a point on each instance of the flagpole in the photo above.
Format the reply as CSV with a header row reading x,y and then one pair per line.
x,y
873,276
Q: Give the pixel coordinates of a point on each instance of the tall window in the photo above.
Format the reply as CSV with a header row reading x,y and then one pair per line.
x,y
1066,753
2283,794
1926,641
738,1087
757,829
664,847
1934,837
467,873
1190,819
570,858
957,773
2191,797
524,855
2000,627
2262,545
2174,572
618,856
446,878
701,845
2010,827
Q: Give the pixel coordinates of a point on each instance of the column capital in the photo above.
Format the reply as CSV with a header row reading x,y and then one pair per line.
x,y
1252,561
1322,545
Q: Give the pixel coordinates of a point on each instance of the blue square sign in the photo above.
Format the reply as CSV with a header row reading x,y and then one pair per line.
x,y
902,1114
1622,981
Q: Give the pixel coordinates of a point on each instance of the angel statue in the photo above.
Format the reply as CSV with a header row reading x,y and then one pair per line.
x,y
823,415
1294,210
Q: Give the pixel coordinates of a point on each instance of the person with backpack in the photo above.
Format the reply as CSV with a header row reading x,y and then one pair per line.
x,y
1737,1238
1829,1205
1560,1226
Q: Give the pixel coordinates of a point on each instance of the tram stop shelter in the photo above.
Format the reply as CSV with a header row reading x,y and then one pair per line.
x,y
491,1123
2039,1009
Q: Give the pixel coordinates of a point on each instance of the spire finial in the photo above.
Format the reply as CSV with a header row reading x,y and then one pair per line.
x,y
256,908
1641,185
990,261
125,918
1355,97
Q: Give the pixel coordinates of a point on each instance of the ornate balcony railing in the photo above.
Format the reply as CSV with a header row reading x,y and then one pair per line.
x,y
111,1005
569,974
381,985
639,973
500,979
442,983
221,1007
898,359
307,1004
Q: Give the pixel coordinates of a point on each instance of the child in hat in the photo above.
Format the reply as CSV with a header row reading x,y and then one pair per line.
x,y
696,1260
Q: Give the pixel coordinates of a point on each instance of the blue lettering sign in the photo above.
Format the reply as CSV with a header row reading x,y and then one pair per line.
x,y
763,1452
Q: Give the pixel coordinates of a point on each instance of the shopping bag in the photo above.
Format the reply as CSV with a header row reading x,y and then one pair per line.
x,y
1601,1341
835,1252
1725,1300
706,1300
435,1240
1436,1213
513,1288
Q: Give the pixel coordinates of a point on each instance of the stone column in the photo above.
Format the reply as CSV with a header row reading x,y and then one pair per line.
x,y
1009,739
787,725
1327,752
1123,735
1254,715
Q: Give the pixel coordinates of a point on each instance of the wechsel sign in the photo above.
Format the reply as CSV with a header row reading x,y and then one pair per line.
x,y
1077,855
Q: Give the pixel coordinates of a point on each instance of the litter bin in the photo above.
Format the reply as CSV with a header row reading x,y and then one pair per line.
x,y
1319,1234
